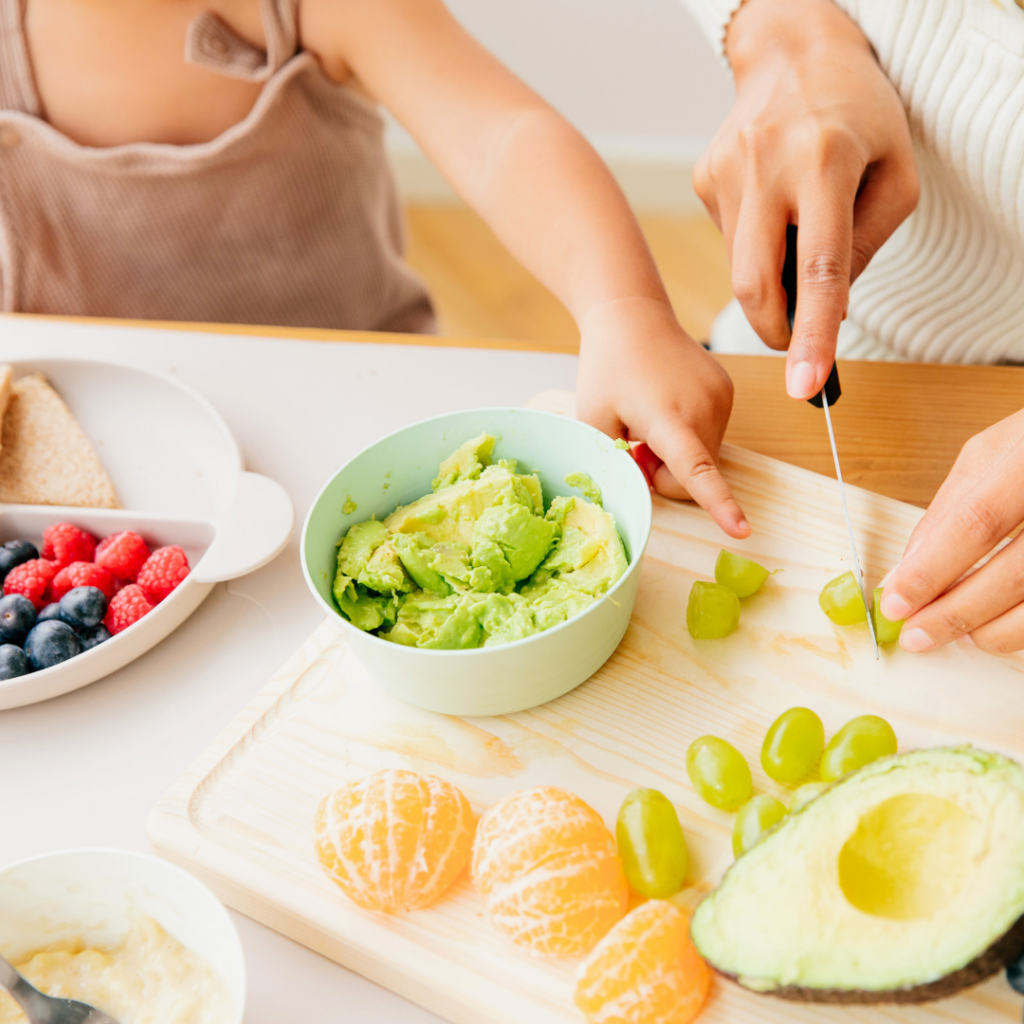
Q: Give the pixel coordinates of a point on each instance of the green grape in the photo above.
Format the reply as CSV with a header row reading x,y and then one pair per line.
x,y
859,742
842,601
886,631
718,773
712,612
793,745
739,574
804,794
651,844
756,816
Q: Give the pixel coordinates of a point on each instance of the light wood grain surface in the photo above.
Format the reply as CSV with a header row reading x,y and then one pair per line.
x,y
241,816
899,426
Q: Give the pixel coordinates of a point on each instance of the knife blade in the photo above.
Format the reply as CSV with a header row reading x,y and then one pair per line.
x,y
825,399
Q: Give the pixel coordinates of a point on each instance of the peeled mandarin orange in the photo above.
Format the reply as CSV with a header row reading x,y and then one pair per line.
x,y
395,840
548,871
644,971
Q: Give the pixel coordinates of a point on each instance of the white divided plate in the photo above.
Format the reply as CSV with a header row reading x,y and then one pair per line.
x,y
179,474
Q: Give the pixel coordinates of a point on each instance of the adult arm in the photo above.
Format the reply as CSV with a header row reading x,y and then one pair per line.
x,y
818,138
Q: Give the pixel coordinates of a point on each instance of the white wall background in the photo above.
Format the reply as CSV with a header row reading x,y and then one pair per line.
x,y
636,76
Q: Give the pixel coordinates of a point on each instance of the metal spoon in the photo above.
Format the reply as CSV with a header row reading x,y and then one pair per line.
x,y
42,1009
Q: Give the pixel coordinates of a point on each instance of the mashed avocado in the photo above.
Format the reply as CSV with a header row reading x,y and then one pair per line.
x,y
479,561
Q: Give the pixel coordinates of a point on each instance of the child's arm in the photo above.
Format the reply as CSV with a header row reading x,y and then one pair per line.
x,y
551,200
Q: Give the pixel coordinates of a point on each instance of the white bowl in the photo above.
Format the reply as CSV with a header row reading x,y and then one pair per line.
x,y
89,894
511,677
179,474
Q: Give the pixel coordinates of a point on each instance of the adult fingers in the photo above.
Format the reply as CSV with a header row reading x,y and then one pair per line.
x,y
703,185
693,467
1003,635
976,460
718,179
887,196
824,242
758,253
954,488
969,529
980,598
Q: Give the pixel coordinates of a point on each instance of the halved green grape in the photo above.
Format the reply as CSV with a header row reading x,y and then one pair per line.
x,y
842,601
712,612
859,742
793,745
741,575
718,772
886,631
651,844
804,794
756,817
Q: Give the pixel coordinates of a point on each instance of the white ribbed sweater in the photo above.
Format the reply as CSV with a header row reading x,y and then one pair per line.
x,y
949,285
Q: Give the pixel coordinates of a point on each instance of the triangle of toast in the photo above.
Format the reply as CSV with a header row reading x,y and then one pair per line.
x,y
45,458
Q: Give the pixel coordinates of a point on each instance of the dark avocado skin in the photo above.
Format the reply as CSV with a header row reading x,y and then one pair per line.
x,y
1002,952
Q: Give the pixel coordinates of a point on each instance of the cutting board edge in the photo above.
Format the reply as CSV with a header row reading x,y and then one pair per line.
x,y
173,834
178,845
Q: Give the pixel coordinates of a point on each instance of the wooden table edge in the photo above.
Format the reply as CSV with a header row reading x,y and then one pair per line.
x,y
322,334
899,428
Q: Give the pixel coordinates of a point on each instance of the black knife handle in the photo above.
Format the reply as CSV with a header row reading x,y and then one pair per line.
x,y
789,274
831,390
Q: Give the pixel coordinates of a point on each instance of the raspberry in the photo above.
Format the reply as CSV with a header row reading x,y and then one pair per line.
x,y
127,606
64,544
32,579
83,574
648,462
123,554
163,571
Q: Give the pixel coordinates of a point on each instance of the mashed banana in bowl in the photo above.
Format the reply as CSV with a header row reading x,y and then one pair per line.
x,y
148,978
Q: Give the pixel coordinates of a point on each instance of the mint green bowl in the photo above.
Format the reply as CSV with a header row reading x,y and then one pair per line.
x,y
509,677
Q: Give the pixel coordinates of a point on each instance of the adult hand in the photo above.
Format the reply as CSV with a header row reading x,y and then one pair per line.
x,y
817,137
978,506
641,377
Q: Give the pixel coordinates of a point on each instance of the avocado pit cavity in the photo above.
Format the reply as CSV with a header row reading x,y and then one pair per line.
x,y
909,857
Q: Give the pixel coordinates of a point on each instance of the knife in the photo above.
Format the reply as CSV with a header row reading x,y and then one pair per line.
x,y
825,399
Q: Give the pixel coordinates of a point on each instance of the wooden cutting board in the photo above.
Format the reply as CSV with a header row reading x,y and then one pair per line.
x,y
241,816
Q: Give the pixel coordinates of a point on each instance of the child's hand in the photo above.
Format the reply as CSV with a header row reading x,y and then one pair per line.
x,y
643,378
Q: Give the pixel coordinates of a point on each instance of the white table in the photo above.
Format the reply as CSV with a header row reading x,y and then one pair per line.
x,y
84,769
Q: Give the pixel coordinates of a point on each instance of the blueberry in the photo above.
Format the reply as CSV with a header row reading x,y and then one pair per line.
x,y
17,617
93,636
13,662
1015,974
83,607
49,613
13,553
50,643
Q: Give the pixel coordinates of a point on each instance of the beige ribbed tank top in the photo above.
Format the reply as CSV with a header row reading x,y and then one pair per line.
x,y
289,218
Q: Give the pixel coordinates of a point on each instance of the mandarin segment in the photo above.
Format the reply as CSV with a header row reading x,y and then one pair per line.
x,y
395,840
548,871
644,971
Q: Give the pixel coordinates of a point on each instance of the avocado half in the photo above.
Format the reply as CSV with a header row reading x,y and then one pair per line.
x,y
902,883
